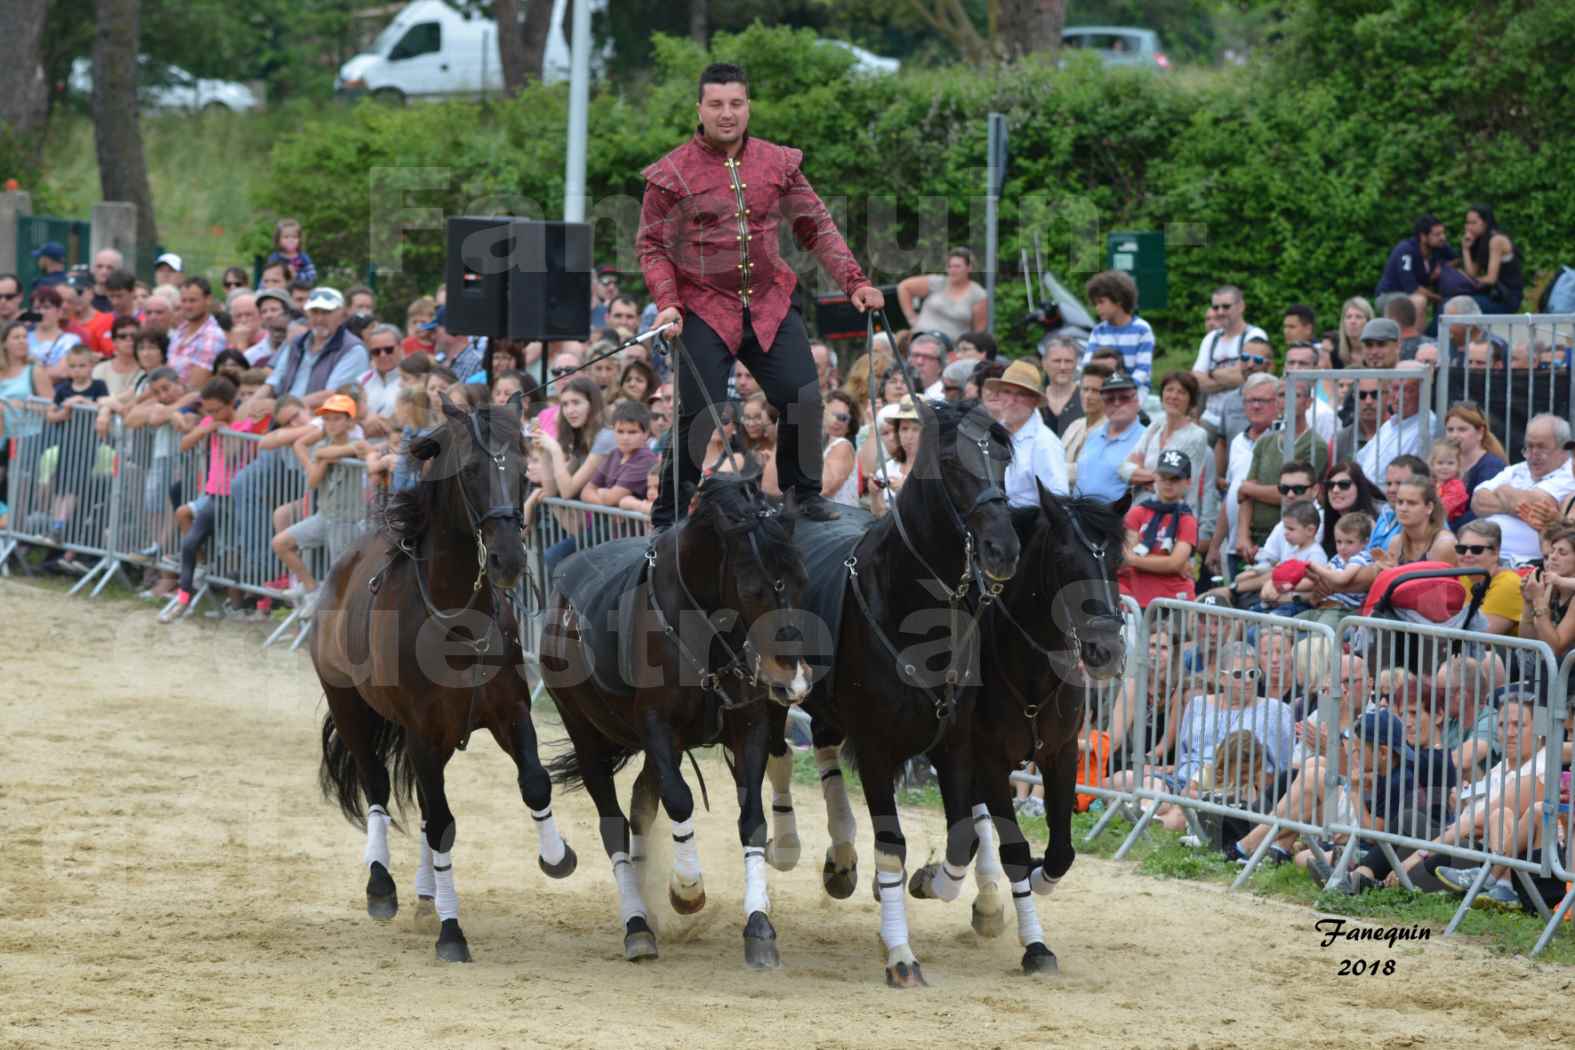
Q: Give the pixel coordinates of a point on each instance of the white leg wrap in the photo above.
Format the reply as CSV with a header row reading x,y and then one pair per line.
x,y
839,813
426,880
987,864
755,897
948,882
550,842
630,903
377,821
686,852
779,770
443,872
1028,931
892,879
1042,885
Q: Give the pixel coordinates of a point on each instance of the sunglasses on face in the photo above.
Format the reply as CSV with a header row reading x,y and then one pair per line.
x,y
562,371
1473,548
1293,490
840,417
1243,674
235,284
1369,395
1118,397
9,296
1255,359
379,351
1342,484
663,416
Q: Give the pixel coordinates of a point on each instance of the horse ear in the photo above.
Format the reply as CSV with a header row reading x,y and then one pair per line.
x,y
1122,505
425,447
1049,502
450,411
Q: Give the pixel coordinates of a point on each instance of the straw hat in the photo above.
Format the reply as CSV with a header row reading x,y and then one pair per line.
x,y
1021,374
898,411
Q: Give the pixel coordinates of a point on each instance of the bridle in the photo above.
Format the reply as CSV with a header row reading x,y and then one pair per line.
x,y
956,595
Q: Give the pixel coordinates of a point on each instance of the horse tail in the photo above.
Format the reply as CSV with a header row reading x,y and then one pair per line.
x,y
339,778
566,772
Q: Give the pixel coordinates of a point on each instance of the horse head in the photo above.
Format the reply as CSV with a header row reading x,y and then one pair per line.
x,y
482,455
970,452
741,547
1079,552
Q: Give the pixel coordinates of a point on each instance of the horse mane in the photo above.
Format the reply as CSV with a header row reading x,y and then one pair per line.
x,y
408,515
726,500
1100,520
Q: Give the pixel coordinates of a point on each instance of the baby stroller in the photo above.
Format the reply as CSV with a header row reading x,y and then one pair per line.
x,y
1426,593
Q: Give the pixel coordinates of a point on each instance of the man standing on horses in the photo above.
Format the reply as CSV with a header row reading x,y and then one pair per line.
x,y
708,247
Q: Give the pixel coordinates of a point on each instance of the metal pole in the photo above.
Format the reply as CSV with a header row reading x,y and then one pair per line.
x,y
579,104
995,175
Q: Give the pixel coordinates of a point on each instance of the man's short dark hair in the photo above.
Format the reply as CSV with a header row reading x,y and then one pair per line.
x,y
1303,512
416,364
1098,368
218,388
278,264
1424,225
1402,311
300,284
632,412
117,281
198,282
163,372
1415,464
1111,354
1115,286
722,73
1299,466
1303,313
631,300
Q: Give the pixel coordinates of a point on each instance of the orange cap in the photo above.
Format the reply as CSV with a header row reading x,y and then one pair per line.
x,y
339,403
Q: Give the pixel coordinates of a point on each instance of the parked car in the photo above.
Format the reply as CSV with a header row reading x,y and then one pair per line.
x,y
432,51
172,88
866,62
1118,45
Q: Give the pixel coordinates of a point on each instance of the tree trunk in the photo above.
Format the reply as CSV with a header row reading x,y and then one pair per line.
x,y
699,21
122,168
511,45
24,93
1030,27
538,22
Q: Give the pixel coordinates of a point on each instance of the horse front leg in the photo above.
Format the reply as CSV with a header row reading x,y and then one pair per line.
x,y
429,763
553,855
751,746
686,887
891,855
783,848
954,775
840,874
1016,860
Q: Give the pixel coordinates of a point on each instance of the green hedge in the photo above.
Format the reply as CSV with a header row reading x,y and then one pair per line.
x,y
1292,178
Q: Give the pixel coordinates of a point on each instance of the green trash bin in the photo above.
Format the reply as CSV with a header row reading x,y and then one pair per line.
x,y
1141,255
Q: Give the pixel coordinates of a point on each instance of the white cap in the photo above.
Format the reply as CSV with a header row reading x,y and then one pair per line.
x,y
169,259
325,298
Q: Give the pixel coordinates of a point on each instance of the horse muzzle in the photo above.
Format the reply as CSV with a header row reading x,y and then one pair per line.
x,y
789,686
1103,652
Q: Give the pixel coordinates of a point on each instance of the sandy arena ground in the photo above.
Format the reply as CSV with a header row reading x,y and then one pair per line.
x,y
171,877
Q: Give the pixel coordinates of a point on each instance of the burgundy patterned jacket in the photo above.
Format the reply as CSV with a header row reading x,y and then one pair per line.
x,y
708,239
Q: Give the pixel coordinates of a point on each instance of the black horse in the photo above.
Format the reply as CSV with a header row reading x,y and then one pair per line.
x,y
666,645
908,577
416,645
1057,621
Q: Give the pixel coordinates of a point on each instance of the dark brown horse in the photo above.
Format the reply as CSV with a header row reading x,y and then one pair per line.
x,y
417,645
669,644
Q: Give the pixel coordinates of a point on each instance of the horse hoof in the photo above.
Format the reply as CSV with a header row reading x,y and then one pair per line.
x,y
424,918
1039,960
564,868
760,943
451,946
988,922
905,975
921,885
782,854
638,940
682,906
382,900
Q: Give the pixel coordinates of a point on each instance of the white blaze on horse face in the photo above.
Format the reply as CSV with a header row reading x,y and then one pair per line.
x,y
803,678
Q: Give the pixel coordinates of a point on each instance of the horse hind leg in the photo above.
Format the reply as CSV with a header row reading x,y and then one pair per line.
x,y
840,875
783,848
440,834
1016,860
357,743
425,920
686,886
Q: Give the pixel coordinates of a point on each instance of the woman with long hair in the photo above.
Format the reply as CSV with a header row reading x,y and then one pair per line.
x,y
1482,455
1346,490
1423,536
637,382
840,421
572,457
1491,261
49,343
1354,315
759,437
888,475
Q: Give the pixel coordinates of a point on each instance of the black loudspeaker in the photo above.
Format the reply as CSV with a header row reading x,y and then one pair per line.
x,y
519,278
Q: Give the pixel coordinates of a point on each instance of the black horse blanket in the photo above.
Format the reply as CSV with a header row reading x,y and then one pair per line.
x,y
825,546
605,585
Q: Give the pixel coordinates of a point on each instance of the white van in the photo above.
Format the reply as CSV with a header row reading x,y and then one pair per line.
x,y
430,50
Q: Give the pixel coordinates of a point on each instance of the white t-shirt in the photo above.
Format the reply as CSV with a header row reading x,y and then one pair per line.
x,y
1217,350
1236,470
1276,551
1520,540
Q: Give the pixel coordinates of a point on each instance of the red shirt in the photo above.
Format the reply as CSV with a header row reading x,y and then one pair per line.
x,y
94,332
709,228
1144,587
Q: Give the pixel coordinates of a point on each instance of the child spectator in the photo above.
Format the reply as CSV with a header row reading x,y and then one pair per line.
x,y
1113,295
653,486
627,469
1338,578
418,314
506,385
79,387
390,465
289,243
339,502
217,406
1283,560
1444,461
1161,535
439,380
249,382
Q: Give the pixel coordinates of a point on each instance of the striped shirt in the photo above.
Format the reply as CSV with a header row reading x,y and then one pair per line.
x,y
1134,340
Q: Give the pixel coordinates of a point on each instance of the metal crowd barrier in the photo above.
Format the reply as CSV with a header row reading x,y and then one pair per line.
x,y
1387,443
1558,821
1532,374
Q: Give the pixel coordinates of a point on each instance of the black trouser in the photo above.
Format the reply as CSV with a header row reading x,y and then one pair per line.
x,y
786,375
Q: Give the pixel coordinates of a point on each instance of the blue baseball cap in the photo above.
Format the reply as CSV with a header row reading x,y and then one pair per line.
x,y
437,320
51,250
1380,728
